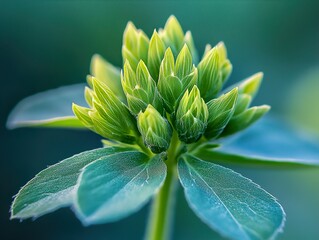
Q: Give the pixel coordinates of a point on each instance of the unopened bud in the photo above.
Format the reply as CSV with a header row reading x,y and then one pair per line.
x,y
155,129
191,116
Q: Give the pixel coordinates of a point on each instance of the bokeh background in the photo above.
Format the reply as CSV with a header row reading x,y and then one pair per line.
x,y
46,44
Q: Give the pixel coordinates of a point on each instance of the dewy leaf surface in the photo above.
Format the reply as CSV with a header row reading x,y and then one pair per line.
x,y
269,142
52,108
117,186
229,203
53,187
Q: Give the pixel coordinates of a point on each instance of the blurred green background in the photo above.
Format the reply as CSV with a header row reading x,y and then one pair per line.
x,y
45,44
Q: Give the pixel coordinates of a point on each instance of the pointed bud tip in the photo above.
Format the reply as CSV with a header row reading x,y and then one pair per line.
x,y
130,26
96,57
172,19
265,107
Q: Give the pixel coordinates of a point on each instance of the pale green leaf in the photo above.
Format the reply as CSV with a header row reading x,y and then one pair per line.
x,y
54,187
117,186
229,203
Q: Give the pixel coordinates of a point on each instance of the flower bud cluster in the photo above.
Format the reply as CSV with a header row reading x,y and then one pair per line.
x,y
163,90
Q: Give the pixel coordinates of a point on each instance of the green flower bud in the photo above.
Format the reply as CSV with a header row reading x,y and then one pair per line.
x,y
209,75
89,95
140,88
191,116
135,45
225,65
155,55
245,119
188,39
243,102
173,35
247,89
213,70
208,47
220,112
155,130
108,74
176,78
82,114
251,85
108,116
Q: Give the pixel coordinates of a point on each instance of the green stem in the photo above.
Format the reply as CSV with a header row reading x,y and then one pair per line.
x,y
162,210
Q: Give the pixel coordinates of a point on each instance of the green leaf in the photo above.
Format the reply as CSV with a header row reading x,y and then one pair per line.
x,y
229,203
54,187
117,186
52,108
270,142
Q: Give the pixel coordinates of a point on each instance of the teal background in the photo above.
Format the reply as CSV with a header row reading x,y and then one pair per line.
x,y
46,44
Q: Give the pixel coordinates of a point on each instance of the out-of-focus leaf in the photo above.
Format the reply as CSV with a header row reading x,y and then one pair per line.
x,y
229,203
269,142
52,108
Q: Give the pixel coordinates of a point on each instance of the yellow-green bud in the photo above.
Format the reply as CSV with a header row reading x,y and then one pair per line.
x,y
225,66
155,55
176,78
140,89
135,45
155,130
209,75
191,116
213,70
108,116
220,110
108,74
247,89
245,119
173,35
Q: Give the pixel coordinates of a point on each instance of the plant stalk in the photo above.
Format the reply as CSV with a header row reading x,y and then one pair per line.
x,y
162,209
